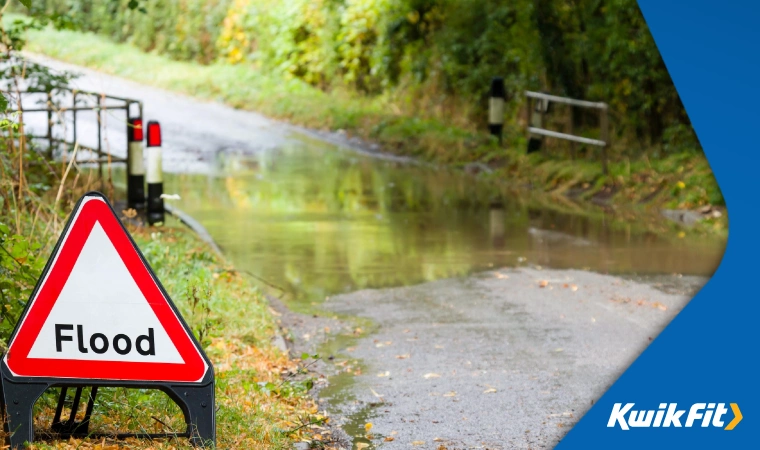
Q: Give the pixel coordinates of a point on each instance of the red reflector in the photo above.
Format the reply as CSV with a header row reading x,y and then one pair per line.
x,y
135,130
154,134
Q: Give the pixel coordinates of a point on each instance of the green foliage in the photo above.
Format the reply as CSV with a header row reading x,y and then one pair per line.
x,y
183,29
435,58
20,267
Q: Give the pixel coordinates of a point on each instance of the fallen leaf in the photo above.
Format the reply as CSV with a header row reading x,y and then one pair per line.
x,y
383,374
416,443
380,396
404,356
388,439
450,394
489,391
361,445
543,283
573,287
431,375
367,426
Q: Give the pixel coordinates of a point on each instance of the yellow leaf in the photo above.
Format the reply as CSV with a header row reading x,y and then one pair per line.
x,y
367,426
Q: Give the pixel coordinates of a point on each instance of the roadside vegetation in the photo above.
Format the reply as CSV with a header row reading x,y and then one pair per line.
x,y
413,76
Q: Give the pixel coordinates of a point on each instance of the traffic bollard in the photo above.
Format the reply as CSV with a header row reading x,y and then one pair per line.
x,y
154,175
135,165
496,108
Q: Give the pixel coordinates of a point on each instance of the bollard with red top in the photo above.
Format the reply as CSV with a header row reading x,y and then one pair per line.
x,y
154,176
135,164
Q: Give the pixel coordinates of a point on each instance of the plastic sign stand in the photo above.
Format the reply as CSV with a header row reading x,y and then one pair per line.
x,y
99,317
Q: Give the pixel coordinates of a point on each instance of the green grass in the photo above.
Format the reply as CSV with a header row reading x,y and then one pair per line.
x,y
679,180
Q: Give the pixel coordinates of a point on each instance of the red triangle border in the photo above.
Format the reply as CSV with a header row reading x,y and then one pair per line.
x,y
94,208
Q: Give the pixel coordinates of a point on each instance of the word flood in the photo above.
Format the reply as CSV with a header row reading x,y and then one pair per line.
x,y
99,342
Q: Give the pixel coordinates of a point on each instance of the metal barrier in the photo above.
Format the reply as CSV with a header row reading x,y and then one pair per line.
x,y
541,106
62,102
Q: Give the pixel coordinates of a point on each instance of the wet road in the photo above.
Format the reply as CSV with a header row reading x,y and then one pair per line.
x,y
510,364
494,360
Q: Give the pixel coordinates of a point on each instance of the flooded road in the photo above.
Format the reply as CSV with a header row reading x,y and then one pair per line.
x,y
478,323
317,220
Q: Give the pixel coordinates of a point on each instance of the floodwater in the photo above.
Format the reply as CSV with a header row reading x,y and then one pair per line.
x,y
315,220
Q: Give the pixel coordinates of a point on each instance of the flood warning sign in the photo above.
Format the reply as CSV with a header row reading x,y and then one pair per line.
x,y
99,312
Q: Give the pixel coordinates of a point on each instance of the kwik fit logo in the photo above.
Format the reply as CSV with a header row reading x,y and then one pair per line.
x,y
669,415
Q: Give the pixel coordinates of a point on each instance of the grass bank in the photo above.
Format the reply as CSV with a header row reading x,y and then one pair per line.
x,y
262,398
680,180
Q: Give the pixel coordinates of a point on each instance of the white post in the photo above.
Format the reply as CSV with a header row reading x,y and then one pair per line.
x,y
155,176
496,108
135,165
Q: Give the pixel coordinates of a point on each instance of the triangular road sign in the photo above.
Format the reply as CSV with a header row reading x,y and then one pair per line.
x,y
99,313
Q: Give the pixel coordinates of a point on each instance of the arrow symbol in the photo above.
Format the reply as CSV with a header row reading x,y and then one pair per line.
x,y
737,417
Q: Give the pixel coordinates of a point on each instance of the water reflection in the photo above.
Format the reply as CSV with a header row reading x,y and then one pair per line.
x,y
319,221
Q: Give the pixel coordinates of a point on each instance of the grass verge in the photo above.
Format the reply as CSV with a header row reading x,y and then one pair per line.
x,y
680,180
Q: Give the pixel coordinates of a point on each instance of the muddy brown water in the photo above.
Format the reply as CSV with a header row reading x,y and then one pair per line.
x,y
317,220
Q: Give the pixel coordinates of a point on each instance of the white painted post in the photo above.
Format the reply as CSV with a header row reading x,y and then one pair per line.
x,y
154,176
135,164
496,108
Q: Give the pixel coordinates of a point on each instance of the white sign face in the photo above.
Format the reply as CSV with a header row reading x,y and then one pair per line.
x,y
101,314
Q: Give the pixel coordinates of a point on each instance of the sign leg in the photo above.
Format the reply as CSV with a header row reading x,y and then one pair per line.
x,y
19,399
197,404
